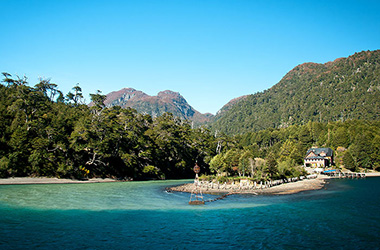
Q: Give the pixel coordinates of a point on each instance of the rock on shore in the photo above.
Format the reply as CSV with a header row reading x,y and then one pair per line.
x,y
286,188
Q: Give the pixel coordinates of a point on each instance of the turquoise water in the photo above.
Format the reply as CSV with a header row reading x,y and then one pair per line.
x,y
141,215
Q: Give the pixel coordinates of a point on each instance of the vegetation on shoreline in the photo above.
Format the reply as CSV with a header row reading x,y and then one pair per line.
x,y
261,174
46,133
356,143
276,153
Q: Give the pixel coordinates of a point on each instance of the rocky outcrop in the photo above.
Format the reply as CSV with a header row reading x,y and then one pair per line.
x,y
165,101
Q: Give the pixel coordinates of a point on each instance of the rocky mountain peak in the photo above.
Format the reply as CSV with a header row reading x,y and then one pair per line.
x,y
119,97
165,101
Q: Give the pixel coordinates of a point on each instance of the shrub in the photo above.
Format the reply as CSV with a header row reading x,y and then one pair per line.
x,y
222,179
204,177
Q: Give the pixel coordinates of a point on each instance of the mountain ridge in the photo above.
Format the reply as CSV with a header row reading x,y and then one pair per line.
x,y
164,101
346,88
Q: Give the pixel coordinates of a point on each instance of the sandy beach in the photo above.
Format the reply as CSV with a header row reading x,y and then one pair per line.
x,y
46,180
372,174
299,186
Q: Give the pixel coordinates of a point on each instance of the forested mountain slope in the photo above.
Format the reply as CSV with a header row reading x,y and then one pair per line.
x,y
347,88
229,105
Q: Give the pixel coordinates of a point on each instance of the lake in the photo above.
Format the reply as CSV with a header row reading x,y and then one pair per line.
x,y
141,215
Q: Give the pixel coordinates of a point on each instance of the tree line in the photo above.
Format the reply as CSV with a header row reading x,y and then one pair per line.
x,y
46,133
278,153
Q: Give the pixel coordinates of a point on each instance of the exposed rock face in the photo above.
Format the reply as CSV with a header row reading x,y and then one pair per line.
x,y
165,101
121,97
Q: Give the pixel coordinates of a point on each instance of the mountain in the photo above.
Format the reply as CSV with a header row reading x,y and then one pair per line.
x,y
229,105
165,101
347,88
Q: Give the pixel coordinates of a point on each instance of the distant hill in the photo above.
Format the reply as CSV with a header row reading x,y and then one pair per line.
x,y
229,105
347,88
165,101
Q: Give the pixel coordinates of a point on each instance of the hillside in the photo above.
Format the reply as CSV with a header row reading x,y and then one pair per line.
x,y
347,88
229,105
165,101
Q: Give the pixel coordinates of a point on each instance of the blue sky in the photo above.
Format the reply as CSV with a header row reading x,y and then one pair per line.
x,y
209,51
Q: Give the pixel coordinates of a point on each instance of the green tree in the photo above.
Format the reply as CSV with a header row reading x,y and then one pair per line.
x,y
217,164
272,166
77,97
231,161
341,138
50,90
361,149
247,163
375,154
349,161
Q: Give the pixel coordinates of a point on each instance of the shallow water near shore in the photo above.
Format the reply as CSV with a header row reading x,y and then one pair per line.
x,y
142,215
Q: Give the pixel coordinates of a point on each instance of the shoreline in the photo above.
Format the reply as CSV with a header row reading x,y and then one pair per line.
x,y
283,189
372,174
54,180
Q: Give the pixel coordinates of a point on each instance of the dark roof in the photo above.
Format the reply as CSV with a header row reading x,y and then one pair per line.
x,y
316,157
318,151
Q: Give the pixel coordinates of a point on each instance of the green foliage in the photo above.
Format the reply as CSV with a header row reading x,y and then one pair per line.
x,y
222,179
42,134
231,161
346,89
217,164
98,99
349,161
289,169
284,149
272,166
204,177
246,162
375,152
151,170
360,137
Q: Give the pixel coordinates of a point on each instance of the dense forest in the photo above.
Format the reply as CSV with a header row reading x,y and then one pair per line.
x,y
345,89
46,133
277,153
